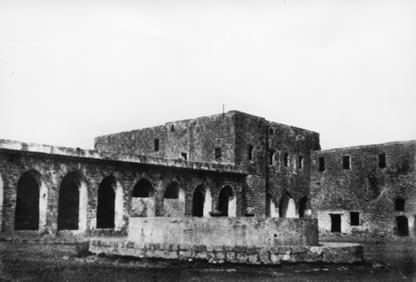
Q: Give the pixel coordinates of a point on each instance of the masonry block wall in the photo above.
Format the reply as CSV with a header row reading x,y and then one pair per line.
x,y
234,138
366,189
87,175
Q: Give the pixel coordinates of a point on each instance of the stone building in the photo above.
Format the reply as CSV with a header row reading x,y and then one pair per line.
x,y
230,165
366,189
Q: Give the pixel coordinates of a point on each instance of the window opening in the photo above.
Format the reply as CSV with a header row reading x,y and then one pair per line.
x,y
321,164
335,222
354,218
156,145
399,205
271,157
346,163
218,153
250,152
382,160
286,159
300,162
402,226
184,156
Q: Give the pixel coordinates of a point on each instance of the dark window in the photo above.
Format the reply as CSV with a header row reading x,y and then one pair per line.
x,y
321,164
218,153
27,203
172,191
354,218
382,160
399,205
286,159
402,226
335,222
198,201
184,156
143,189
250,152
172,128
271,131
156,143
346,164
271,157
300,162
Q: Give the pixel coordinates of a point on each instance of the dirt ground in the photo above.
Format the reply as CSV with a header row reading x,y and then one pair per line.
x,y
61,260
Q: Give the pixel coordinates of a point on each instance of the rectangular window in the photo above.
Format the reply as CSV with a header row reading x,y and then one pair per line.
x,y
382,160
286,159
271,157
300,163
321,164
354,218
156,145
399,205
346,163
250,152
218,153
184,156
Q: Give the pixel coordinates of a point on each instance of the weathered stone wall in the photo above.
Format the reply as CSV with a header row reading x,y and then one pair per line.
x,y
366,187
53,168
244,231
291,178
233,133
327,253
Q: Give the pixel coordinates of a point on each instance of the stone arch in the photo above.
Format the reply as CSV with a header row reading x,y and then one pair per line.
x,y
106,203
142,199
271,206
73,202
287,207
302,204
31,202
201,201
227,202
174,200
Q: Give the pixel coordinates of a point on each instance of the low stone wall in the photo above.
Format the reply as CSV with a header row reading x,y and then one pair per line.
x,y
328,253
224,231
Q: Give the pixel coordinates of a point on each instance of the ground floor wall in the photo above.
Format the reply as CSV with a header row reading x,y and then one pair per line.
x,y
48,193
243,231
361,223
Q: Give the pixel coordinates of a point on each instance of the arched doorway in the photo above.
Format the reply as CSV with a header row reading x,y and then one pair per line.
x,y
72,203
302,206
142,201
287,207
270,206
106,203
173,201
227,202
27,201
198,201
402,226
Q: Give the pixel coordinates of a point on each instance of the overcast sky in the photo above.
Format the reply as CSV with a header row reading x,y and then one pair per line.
x,y
73,70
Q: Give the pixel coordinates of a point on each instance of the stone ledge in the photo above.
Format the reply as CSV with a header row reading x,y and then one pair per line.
x,y
327,252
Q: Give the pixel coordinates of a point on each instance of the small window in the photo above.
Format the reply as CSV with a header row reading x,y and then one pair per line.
x,y
399,205
271,157
300,163
156,145
218,153
250,152
346,163
286,159
382,160
184,156
172,128
354,218
271,131
321,164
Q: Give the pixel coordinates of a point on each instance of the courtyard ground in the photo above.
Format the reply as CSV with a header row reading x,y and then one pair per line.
x,y
60,259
